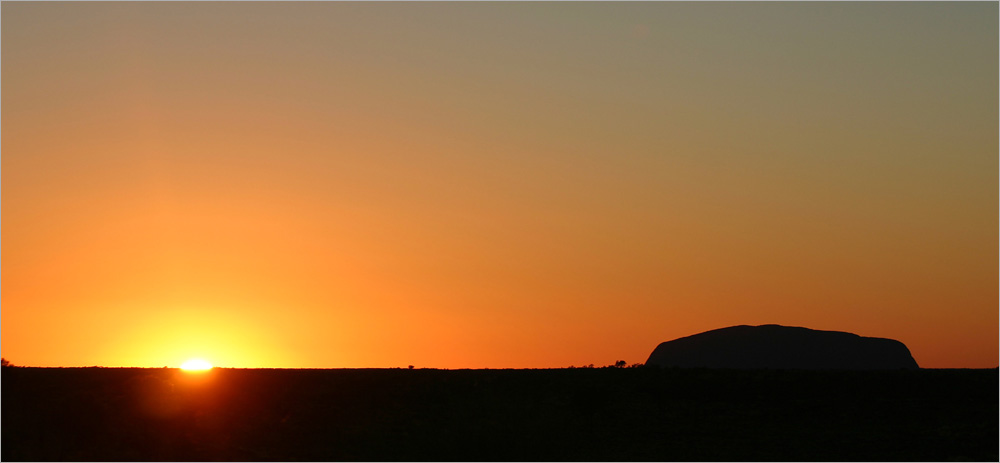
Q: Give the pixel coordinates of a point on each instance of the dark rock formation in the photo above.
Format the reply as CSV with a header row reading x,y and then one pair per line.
x,y
782,347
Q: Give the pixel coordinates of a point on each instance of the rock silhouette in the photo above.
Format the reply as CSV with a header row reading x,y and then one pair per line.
x,y
782,347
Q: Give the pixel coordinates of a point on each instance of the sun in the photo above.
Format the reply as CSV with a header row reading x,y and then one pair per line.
x,y
196,365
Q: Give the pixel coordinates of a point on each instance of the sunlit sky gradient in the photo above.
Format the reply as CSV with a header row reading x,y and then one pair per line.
x,y
493,184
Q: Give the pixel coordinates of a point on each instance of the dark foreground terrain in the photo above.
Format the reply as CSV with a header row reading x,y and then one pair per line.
x,y
581,414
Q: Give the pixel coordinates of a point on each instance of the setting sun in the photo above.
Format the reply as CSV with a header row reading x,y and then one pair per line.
x,y
196,365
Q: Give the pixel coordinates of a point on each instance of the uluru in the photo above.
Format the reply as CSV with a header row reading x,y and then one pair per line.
x,y
782,347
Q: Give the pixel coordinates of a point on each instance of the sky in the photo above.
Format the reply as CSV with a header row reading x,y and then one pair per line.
x,y
492,185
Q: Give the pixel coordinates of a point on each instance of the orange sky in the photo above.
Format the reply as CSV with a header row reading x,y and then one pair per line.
x,y
493,184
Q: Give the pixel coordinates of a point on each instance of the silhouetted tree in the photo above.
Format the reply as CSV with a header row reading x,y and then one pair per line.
x,y
620,364
5,363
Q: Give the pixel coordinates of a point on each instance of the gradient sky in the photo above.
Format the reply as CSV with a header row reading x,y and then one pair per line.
x,y
493,184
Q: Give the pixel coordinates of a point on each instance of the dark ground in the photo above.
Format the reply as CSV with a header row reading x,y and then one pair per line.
x,y
582,414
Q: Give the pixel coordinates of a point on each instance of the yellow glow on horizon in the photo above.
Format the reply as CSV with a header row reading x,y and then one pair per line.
x,y
223,329
196,365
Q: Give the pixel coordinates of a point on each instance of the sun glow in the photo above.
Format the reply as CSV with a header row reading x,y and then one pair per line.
x,y
196,365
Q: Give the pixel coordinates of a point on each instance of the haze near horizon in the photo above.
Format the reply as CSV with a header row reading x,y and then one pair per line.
x,y
493,185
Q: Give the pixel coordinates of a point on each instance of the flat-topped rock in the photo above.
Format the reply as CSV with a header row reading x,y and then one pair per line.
x,y
782,347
